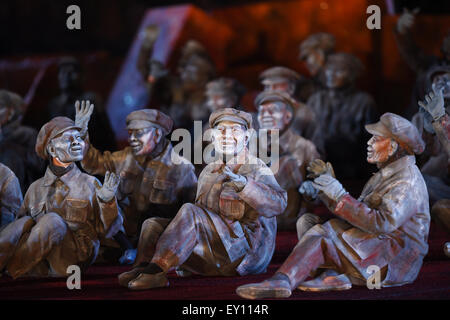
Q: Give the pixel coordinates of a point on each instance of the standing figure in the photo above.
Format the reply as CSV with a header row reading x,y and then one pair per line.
x,y
70,80
387,226
275,113
416,58
17,141
440,122
342,111
64,213
155,181
231,228
181,96
10,196
314,51
285,80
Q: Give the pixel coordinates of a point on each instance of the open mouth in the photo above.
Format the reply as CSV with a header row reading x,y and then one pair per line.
x,y
76,149
135,146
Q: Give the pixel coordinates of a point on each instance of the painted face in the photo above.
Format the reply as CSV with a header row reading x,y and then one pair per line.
x,y
229,138
442,82
336,76
379,149
273,116
68,77
219,101
67,147
142,141
283,86
315,61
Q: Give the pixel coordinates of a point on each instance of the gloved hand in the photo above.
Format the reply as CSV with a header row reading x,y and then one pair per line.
x,y
318,167
108,191
83,114
308,191
406,20
237,181
332,188
434,104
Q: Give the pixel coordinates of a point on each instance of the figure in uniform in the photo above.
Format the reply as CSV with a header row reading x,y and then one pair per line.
x,y
10,196
416,58
275,113
155,181
64,214
231,227
342,111
387,226
314,51
440,122
70,80
181,96
17,141
285,80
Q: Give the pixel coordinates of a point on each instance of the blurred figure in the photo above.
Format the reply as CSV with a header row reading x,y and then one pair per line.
x,y
10,196
416,58
17,141
342,112
314,51
70,79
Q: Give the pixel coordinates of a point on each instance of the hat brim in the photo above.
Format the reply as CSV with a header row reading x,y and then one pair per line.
x,y
57,133
378,129
231,119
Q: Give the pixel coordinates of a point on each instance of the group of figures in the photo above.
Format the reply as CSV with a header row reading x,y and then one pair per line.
x,y
162,215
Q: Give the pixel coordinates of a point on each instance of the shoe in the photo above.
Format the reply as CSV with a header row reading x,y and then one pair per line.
x,y
329,280
126,277
183,273
148,281
267,289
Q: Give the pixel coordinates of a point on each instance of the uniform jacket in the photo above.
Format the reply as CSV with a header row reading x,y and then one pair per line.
x,y
10,195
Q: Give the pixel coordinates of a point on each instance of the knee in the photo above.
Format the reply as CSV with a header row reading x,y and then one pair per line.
x,y
52,221
150,223
306,222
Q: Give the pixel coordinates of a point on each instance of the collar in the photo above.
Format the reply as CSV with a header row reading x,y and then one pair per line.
x,y
50,177
397,165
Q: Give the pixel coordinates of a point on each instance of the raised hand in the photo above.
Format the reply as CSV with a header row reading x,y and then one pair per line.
x,y
318,167
83,112
434,104
406,20
308,191
110,185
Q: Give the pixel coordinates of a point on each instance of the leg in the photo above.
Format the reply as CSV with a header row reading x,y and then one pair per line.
x,y
312,251
441,215
10,238
306,222
48,232
151,231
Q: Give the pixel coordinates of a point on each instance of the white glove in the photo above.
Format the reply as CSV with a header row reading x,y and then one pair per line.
x,y
332,188
307,190
108,191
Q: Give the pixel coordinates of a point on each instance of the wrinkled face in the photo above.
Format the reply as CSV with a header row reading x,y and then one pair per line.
x,y
283,86
273,116
68,77
193,77
442,82
143,141
379,149
336,76
67,147
315,61
229,138
219,101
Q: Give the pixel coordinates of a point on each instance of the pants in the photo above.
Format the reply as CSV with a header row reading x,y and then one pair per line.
x,y
151,230
25,243
441,213
191,241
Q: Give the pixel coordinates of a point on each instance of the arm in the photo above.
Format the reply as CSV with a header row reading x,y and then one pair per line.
x,y
97,163
442,128
395,209
11,199
264,194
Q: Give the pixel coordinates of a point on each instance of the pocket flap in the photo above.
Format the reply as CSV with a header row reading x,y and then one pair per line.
x,y
77,203
163,184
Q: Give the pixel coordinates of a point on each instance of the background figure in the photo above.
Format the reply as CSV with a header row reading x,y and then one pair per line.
x,y
17,141
181,96
70,80
275,114
416,58
314,51
10,196
304,122
341,112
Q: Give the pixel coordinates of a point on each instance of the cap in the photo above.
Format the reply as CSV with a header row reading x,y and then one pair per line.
x,y
230,114
147,117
